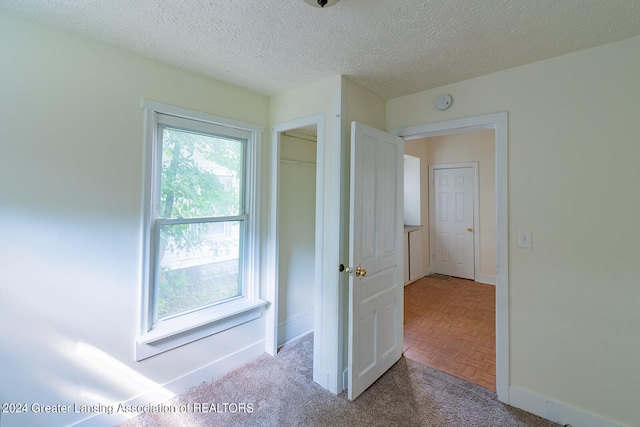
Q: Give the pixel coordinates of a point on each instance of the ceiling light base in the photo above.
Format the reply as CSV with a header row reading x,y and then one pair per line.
x,y
319,3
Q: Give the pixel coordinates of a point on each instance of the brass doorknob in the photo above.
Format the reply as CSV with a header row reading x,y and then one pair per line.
x,y
361,272
469,229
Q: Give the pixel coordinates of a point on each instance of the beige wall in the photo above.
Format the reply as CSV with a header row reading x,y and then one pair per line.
x,y
362,106
71,174
573,152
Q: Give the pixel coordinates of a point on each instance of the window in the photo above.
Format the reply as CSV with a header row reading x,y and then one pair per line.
x,y
201,227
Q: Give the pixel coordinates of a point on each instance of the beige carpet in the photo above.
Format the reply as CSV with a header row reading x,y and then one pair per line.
x,y
279,391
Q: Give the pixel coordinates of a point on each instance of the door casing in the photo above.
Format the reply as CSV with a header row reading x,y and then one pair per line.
x,y
499,123
271,288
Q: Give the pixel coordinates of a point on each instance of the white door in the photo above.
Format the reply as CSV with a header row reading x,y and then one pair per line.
x,y
375,246
453,234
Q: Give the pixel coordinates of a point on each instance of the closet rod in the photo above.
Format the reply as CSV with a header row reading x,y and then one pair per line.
x,y
296,162
296,135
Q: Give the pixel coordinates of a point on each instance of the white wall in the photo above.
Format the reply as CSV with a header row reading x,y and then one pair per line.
x,y
573,149
71,164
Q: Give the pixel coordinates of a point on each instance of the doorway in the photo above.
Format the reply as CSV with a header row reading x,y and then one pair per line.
x,y
466,308
497,122
302,318
296,233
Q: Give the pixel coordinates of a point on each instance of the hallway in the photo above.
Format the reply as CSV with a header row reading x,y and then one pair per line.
x,y
449,325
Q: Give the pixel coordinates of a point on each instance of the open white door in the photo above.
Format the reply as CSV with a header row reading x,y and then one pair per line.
x,y
376,305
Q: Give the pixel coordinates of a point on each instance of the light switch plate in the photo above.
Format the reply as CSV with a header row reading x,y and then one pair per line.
x,y
524,238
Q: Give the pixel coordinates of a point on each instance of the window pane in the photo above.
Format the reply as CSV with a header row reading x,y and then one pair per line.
x,y
198,265
201,175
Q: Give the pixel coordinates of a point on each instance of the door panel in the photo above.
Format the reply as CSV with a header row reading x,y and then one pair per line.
x,y
454,227
376,245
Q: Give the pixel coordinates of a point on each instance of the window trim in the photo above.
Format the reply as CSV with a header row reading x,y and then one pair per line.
x,y
157,337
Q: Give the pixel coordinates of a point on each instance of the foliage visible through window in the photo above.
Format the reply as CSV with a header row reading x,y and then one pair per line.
x,y
200,220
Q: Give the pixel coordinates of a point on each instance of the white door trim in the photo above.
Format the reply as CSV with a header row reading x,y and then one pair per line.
x,y
476,214
498,122
271,288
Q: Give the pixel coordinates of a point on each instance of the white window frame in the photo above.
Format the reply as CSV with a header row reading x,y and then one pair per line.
x,y
159,336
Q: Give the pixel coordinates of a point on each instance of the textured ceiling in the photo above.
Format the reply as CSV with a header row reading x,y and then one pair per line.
x,y
391,47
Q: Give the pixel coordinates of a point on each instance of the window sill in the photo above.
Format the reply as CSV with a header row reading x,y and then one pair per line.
x,y
169,334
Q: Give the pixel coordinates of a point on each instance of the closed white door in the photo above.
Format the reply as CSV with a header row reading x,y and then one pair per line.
x,y
376,305
453,234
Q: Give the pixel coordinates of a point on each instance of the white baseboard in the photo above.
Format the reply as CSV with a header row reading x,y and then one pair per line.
x,y
556,411
164,392
485,278
295,326
428,270
480,278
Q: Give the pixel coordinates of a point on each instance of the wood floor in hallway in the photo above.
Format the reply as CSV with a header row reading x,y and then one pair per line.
x,y
449,325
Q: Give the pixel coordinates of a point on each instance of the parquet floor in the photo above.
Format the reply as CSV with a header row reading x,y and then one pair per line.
x,y
450,326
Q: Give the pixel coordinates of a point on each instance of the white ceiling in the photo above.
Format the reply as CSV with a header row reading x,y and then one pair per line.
x,y
391,47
